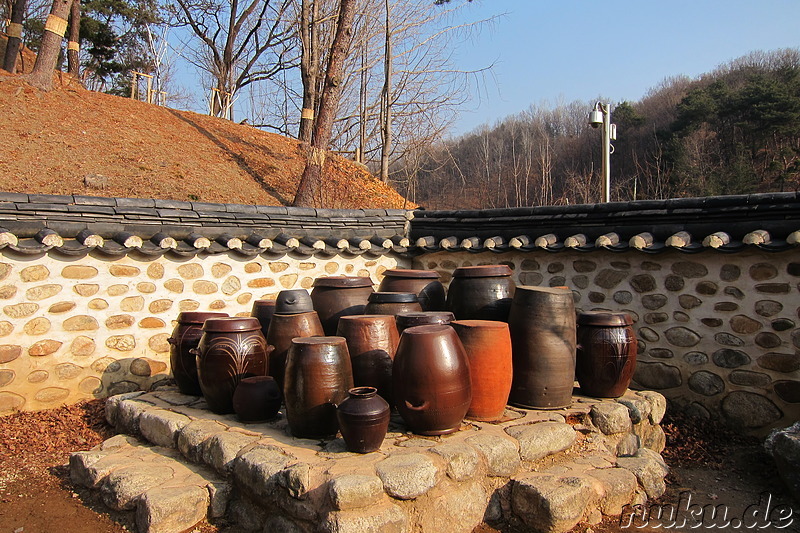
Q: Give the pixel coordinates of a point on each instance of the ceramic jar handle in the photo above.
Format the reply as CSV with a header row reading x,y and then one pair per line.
x,y
421,407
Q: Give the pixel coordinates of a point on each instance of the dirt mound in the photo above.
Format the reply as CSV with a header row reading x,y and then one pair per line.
x,y
74,141
26,58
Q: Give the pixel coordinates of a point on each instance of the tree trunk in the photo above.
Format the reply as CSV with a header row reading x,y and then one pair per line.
x,y
14,32
309,65
308,192
73,44
54,29
386,95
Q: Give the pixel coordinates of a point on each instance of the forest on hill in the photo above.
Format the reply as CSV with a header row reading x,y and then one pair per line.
x,y
735,130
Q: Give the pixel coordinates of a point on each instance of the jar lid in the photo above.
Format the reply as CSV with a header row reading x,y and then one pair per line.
x,y
343,281
482,271
198,317
416,318
604,318
293,301
410,273
393,297
231,324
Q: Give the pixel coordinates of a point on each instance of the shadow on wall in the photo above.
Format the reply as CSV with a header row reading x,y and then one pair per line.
x,y
131,374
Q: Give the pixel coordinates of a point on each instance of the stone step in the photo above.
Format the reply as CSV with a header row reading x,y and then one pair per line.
x,y
540,470
165,493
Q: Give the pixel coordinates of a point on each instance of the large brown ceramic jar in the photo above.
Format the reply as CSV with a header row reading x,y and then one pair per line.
x,y
284,328
431,381
229,350
372,342
256,399
542,324
422,318
186,337
425,283
318,376
481,292
363,419
338,296
392,303
488,346
263,311
606,355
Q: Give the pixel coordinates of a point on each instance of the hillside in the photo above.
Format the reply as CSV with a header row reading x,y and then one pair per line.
x,y
74,141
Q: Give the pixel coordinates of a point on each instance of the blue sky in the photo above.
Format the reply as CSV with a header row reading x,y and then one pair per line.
x,y
547,51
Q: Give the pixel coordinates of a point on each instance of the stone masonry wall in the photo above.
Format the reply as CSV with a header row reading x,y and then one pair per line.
x,y
718,333
73,328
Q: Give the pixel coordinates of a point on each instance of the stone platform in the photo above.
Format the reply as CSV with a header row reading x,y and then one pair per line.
x,y
175,463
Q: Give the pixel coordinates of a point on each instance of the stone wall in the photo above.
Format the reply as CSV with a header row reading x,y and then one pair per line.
x,y
73,328
718,332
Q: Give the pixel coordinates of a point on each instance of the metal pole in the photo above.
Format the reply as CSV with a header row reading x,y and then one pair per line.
x,y
606,151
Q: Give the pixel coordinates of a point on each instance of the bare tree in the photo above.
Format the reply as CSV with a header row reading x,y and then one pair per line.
x,y
238,43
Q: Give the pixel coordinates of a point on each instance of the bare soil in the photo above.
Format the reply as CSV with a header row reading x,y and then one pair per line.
x,y
715,466
57,142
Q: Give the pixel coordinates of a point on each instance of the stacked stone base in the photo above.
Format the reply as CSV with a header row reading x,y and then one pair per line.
x,y
177,463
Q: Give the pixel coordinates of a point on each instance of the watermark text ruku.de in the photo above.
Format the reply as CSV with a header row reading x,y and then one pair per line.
x,y
687,515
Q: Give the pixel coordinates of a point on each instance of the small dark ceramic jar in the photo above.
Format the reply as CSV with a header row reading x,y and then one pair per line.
x,y
263,311
363,419
392,303
257,399
229,350
186,337
606,354
481,292
338,296
292,301
424,283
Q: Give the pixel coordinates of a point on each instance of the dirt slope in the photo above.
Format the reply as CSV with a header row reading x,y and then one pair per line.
x,y
53,140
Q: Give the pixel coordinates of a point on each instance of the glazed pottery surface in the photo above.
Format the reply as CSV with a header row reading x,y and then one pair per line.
x,y
606,353
338,296
425,283
363,419
431,380
392,303
263,311
318,376
229,350
488,346
422,318
481,292
284,328
292,301
256,399
186,337
542,324
372,342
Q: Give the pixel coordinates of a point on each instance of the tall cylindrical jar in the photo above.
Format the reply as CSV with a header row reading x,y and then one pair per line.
x,y
431,380
542,324
338,296
263,311
185,337
392,303
488,346
606,354
481,292
372,342
284,328
229,350
424,283
363,419
318,376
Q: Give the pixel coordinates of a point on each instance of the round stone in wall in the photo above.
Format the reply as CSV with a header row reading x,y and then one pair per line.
x,y
687,301
142,366
695,358
10,402
747,378
44,348
584,266
86,289
735,292
41,292
191,271
729,272
608,278
750,410
34,273
38,376
697,410
82,346
621,265
643,283
729,358
680,316
61,307
5,270
37,326
623,297
158,343
580,281
91,385
712,322
654,301
231,285
155,271
727,339
689,269
124,271
780,362
188,305
597,297
219,270
706,288
531,278
106,365
160,306
98,304
681,336
146,287
773,288
745,325
768,307
553,268
650,265
706,383
7,292
51,394
244,298
123,343
769,340
673,283
67,371
132,304
661,353
726,307
120,321
152,322
287,281
21,310
657,376
788,390
174,285
648,334
9,352
252,268
6,328
656,318
782,324
204,287
763,271
6,377
122,387
528,264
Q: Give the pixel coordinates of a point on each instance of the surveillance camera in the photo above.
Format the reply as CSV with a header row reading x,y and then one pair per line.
x,y
595,118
